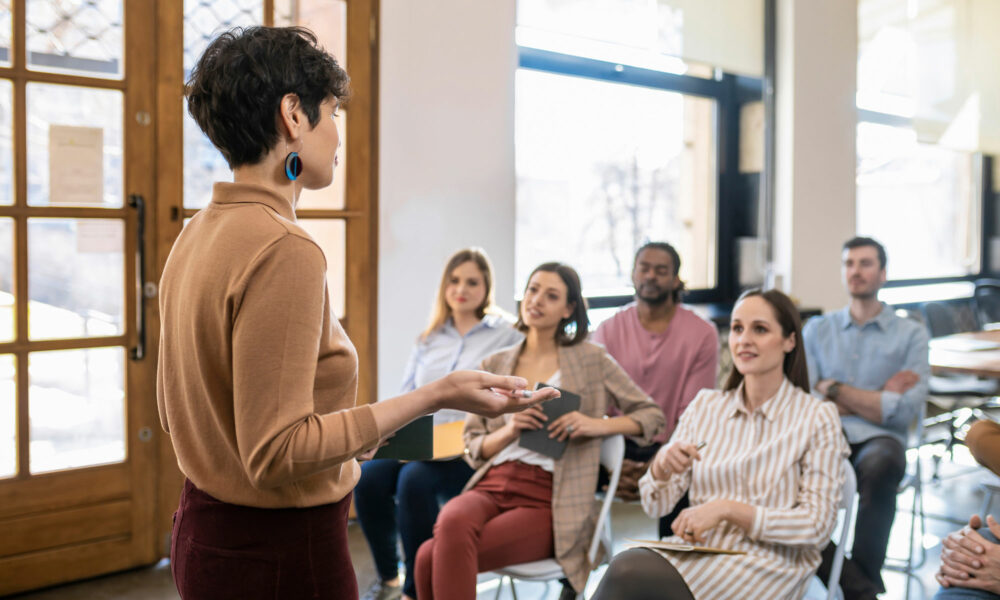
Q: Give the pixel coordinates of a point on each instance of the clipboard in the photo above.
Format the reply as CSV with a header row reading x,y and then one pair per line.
x,y
671,547
421,439
538,439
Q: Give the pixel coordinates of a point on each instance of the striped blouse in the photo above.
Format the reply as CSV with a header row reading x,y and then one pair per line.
x,y
785,459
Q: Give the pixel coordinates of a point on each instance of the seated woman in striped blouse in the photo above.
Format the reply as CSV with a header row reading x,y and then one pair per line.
x,y
766,482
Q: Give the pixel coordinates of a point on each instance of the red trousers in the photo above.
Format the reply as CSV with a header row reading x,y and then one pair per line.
x,y
506,519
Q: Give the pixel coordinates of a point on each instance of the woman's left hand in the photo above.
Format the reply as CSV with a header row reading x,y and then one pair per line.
x,y
692,523
575,424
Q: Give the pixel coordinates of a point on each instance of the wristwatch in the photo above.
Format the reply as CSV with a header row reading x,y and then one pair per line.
x,y
833,391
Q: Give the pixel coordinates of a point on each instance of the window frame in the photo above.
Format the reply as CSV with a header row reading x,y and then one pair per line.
x,y
735,210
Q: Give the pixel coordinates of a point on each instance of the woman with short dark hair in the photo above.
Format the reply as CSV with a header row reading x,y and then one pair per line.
x,y
521,505
257,381
762,463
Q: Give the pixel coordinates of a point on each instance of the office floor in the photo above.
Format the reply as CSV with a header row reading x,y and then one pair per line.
x,y
946,504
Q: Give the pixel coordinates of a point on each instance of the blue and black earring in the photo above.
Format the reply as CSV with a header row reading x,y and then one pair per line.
x,y
293,166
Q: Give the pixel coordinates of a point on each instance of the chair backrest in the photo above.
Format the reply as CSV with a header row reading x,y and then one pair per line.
x,y
940,319
612,453
848,502
987,299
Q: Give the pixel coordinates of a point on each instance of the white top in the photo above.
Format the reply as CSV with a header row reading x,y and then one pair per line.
x,y
514,451
785,459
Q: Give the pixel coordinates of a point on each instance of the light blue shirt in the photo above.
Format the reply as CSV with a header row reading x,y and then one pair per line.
x,y
866,356
446,350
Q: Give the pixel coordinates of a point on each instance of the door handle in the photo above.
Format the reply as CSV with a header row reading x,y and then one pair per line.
x,y
136,201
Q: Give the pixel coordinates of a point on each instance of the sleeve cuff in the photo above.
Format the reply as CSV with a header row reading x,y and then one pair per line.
x,y
890,402
757,526
367,427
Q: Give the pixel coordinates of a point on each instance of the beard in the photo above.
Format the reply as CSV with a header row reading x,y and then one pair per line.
x,y
654,296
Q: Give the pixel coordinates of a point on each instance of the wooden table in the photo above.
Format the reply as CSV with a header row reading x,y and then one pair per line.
x,y
982,363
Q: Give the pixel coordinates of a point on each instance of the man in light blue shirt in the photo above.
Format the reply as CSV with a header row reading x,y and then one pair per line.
x,y
873,365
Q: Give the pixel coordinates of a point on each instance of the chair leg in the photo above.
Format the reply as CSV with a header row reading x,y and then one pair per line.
x,y
499,588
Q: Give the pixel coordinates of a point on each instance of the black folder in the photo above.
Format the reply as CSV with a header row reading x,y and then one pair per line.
x,y
414,441
539,440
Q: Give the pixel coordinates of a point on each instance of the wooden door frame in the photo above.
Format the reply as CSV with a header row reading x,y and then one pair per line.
x,y
360,211
55,512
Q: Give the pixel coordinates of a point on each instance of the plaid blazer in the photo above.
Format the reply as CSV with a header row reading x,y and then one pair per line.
x,y
585,369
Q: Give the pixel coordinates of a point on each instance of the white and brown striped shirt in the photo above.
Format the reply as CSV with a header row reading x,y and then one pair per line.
x,y
784,459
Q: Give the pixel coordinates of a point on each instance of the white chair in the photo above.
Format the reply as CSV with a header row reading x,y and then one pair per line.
x,y
913,479
612,453
848,502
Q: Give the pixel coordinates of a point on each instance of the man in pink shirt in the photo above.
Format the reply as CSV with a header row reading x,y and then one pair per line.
x,y
668,350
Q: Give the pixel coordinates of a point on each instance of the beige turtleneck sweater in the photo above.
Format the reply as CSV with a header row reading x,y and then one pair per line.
x,y
257,381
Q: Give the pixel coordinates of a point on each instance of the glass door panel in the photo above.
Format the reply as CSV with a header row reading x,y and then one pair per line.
x,y
8,417
6,144
6,279
5,21
75,278
75,139
331,236
78,37
77,408
203,21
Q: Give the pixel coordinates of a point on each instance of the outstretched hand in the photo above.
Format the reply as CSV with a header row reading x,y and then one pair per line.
x,y
487,394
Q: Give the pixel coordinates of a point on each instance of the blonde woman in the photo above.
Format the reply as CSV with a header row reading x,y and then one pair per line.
x,y
522,506
399,501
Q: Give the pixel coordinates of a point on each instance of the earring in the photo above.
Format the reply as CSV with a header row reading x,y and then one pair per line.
x,y
293,166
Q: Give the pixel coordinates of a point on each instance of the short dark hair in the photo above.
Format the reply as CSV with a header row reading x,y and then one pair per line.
x,y
794,365
676,258
574,328
236,88
861,242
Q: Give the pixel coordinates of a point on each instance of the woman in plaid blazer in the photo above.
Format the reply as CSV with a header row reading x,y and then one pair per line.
x,y
520,505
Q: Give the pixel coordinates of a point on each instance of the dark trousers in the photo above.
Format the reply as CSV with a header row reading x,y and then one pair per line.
x,y
396,501
641,574
880,464
222,551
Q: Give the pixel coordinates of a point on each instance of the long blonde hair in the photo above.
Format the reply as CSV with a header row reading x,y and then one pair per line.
x,y
440,312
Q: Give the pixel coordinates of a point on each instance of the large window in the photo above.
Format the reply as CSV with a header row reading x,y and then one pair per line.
x,y
922,123
603,167
624,132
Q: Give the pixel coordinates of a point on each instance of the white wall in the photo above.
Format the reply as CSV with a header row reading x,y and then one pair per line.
x,y
815,146
446,157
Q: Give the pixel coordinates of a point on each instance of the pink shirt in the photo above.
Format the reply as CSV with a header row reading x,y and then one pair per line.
x,y
671,366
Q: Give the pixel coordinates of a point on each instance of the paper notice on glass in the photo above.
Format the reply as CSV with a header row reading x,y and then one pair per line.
x,y
76,165
99,235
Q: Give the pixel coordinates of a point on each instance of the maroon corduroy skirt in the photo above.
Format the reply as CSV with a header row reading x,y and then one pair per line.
x,y
221,551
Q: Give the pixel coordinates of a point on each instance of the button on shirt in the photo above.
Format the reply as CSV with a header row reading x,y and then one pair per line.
x,y
446,350
865,356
